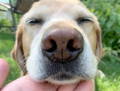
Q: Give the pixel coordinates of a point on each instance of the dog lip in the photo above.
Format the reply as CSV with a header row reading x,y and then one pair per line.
x,y
62,76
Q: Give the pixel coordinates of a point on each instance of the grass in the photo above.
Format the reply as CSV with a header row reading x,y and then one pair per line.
x,y
6,44
110,65
112,71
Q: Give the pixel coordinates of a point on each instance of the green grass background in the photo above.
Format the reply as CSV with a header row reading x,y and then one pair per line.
x,y
6,44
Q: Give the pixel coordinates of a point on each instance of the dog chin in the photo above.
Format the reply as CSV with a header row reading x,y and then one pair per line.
x,y
58,81
63,82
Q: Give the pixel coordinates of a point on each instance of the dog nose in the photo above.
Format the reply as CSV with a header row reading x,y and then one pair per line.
x,y
62,45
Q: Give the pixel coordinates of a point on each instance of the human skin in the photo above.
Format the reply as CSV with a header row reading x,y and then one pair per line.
x,y
25,83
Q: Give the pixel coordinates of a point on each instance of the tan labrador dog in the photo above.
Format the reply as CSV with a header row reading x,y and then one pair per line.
x,y
58,41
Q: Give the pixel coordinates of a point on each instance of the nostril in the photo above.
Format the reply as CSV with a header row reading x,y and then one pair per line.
x,y
70,46
53,46
75,45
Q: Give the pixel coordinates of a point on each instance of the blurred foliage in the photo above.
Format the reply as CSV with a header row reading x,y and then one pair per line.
x,y
3,20
108,13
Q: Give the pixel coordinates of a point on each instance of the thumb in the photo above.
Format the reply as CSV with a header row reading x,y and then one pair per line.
x,y
4,69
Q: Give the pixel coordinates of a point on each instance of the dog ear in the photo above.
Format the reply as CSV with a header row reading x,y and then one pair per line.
x,y
17,52
99,50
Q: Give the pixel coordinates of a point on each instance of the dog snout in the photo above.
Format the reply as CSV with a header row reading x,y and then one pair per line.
x,y
63,45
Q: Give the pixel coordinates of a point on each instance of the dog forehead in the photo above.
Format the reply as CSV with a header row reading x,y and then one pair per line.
x,y
57,3
46,8
49,2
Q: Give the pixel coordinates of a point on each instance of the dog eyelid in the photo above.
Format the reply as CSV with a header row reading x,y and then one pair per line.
x,y
81,20
34,21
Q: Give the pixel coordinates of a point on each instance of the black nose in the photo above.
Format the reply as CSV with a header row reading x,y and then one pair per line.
x,y
62,45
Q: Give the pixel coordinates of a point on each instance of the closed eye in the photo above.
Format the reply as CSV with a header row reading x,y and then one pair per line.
x,y
81,20
34,21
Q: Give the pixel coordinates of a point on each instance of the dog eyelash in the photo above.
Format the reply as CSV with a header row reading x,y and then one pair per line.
x,y
83,20
35,21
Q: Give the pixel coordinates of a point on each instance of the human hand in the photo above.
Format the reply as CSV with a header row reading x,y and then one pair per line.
x,y
4,69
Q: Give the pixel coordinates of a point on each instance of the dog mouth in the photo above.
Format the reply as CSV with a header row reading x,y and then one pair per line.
x,y
61,71
62,76
65,73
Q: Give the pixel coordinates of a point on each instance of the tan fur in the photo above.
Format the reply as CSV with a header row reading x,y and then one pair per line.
x,y
24,38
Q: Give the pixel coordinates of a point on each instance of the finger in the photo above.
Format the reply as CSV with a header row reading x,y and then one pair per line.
x,y
42,86
85,86
69,87
48,87
4,69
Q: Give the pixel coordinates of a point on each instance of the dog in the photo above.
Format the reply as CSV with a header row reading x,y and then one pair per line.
x,y
58,41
